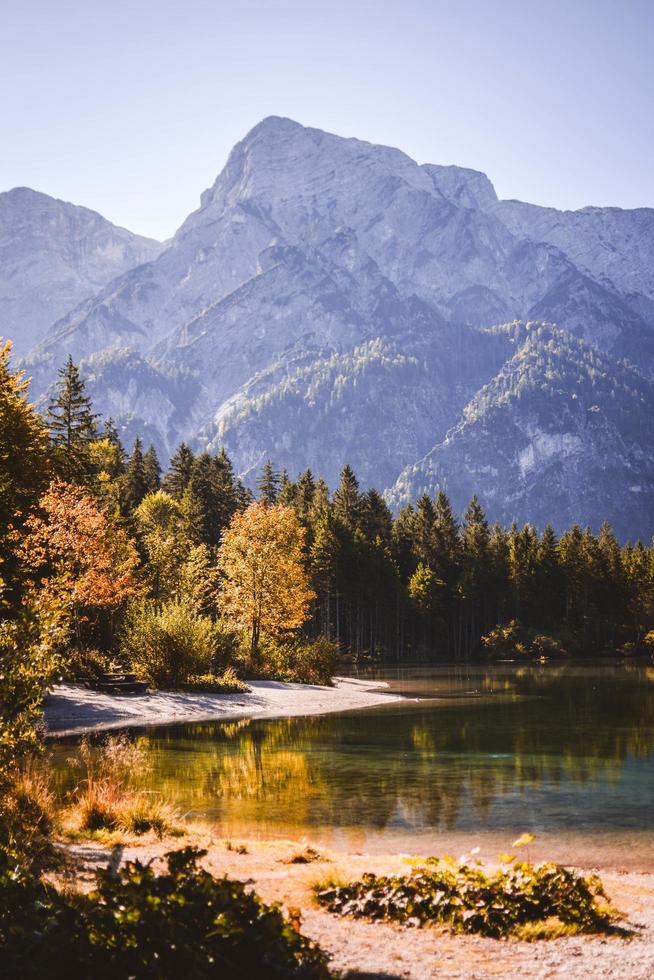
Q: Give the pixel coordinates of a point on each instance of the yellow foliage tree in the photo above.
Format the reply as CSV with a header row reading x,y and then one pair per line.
x,y
265,588
79,555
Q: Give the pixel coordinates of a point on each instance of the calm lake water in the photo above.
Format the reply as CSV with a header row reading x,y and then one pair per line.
x,y
476,755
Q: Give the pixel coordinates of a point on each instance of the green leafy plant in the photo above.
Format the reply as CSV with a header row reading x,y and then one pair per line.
x,y
513,640
169,643
299,661
137,923
465,898
226,683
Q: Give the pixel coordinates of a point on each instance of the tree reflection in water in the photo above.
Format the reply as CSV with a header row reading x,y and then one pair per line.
x,y
502,746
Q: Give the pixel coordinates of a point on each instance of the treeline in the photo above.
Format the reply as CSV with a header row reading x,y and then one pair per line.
x,y
422,584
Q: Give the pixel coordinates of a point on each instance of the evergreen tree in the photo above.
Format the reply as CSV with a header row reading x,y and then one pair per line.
x,y
346,498
152,470
134,482
178,476
306,489
212,498
72,424
112,437
268,484
376,519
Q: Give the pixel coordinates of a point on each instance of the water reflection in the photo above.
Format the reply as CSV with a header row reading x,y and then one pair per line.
x,y
539,748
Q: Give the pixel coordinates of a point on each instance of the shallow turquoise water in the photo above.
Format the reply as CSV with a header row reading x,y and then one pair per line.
x,y
477,753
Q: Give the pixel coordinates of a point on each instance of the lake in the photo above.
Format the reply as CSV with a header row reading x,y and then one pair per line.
x,y
475,756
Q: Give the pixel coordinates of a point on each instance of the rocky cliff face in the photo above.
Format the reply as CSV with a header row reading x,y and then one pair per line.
x,y
330,301
52,256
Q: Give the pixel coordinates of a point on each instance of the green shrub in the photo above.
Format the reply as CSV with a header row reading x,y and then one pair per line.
x,y
467,899
225,683
167,644
136,923
299,661
513,640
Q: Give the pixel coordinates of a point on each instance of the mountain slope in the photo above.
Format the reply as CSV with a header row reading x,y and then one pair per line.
x,y
561,434
52,256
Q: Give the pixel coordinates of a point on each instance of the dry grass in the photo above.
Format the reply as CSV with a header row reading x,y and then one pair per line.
x,y
107,798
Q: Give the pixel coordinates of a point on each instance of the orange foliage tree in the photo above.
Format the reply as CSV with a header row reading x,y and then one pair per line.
x,y
78,554
265,588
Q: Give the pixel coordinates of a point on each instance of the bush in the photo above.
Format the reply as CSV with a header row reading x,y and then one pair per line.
x,y
184,922
524,899
299,661
225,683
513,640
167,644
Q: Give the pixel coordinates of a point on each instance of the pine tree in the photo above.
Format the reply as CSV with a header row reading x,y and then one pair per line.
x,y
152,470
423,531
268,484
111,435
212,498
178,476
376,519
346,498
134,479
306,488
72,424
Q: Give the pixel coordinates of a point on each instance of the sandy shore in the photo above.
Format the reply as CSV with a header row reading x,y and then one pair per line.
x,y
378,951
73,710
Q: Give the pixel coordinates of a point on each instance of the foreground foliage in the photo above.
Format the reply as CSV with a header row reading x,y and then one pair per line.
x,y
108,796
524,899
139,924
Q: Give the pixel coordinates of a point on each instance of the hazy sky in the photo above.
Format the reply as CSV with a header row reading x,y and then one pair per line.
x,y
131,106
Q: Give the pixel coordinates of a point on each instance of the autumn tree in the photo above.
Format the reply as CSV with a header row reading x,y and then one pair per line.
x,y
266,589
24,465
158,520
78,555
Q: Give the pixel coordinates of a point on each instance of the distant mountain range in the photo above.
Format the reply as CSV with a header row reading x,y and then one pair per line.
x,y
332,301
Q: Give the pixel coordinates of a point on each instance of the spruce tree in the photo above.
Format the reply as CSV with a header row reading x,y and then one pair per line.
x,y
111,435
178,476
212,497
346,498
376,519
306,488
152,470
268,484
134,479
72,424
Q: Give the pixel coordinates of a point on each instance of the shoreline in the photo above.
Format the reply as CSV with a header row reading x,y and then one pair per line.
x,y
385,951
72,709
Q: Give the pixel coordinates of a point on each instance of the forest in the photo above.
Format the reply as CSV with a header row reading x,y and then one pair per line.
x,y
129,550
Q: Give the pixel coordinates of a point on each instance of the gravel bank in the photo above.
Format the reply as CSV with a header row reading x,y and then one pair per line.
x,y
74,710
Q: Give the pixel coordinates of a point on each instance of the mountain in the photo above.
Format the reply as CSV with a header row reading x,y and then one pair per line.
x,y
331,300
561,433
52,256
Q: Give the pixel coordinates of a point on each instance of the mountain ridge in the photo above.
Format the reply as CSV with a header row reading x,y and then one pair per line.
x,y
313,258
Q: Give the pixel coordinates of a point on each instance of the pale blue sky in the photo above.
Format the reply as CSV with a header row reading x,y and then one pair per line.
x,y
131,106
